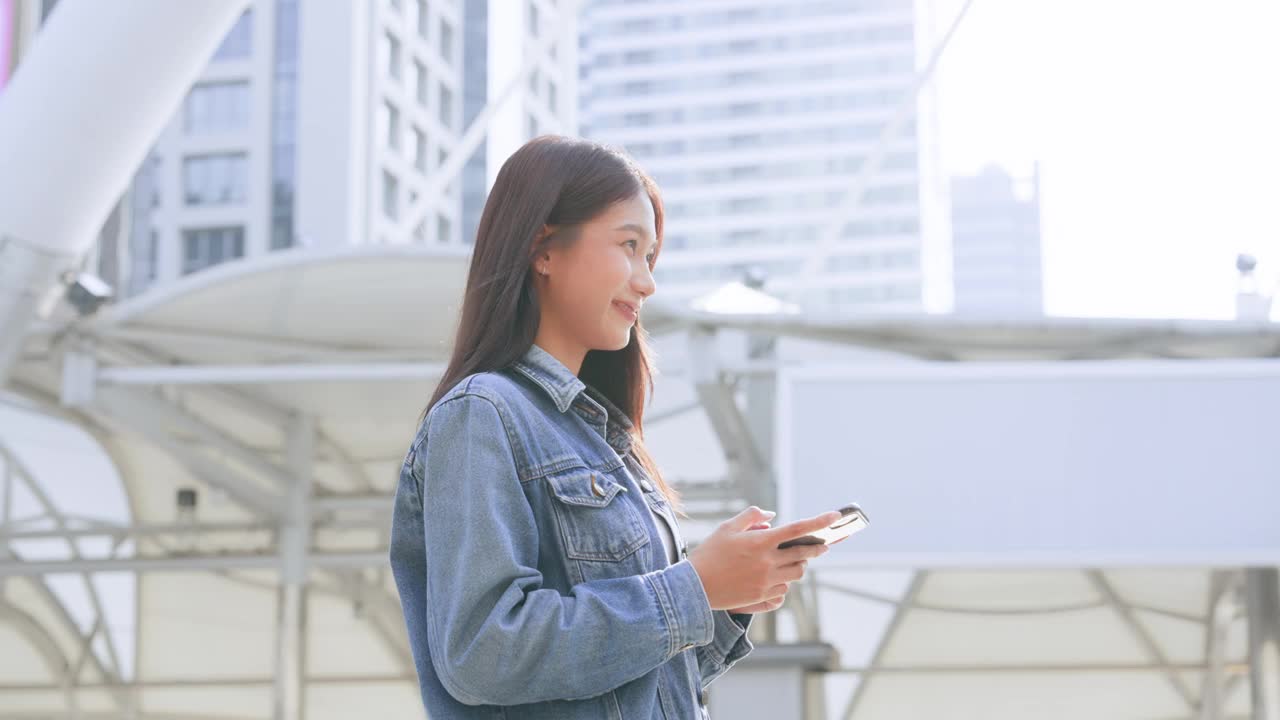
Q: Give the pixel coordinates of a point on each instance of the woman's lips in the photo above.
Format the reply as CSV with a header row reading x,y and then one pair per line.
x,y
626,311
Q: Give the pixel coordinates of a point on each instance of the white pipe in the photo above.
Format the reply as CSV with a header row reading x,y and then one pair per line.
x,y
98,85
188,563
271,374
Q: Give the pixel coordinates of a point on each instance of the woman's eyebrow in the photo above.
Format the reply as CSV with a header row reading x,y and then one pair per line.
x,y
639,231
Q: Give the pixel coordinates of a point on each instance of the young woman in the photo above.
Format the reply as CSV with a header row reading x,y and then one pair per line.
x,y
534,542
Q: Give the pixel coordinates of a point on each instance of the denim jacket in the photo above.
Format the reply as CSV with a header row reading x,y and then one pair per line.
x,y
531,574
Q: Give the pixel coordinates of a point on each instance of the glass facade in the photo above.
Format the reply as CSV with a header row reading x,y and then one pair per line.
x,y
215,179
217,107
238,43
206,247
284,124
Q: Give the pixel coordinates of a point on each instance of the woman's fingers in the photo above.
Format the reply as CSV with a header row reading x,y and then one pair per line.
x,y
792,572
800,528
763,606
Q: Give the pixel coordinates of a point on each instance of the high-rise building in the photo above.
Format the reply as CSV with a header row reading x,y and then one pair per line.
x,y
533,43
322,124
995,223
770,124
324,142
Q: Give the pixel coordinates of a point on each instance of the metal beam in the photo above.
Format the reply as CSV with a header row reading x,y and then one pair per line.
x,y
273,374
241,400
1262,598
1028,668
250,345
16,468
1142,635
251,496
26,625
876,666
187,563
145,410
1218,618
133,532
747,465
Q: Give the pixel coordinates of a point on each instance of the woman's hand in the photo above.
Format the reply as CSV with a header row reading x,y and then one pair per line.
x,y
767,605
741,561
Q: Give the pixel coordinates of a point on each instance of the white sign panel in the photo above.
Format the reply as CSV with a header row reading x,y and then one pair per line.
x,y
1079,464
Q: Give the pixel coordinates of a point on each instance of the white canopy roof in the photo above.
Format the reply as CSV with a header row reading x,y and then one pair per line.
x,y
202,383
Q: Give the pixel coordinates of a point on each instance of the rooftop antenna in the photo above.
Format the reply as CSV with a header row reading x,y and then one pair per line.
x,y
1251,302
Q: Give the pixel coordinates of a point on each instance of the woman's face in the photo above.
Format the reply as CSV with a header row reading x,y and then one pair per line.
x,y
589,283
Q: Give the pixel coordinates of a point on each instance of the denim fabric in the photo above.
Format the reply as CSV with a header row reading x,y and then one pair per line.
x,y
531,574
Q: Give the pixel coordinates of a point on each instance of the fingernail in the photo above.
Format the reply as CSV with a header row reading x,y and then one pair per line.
x,y
770,513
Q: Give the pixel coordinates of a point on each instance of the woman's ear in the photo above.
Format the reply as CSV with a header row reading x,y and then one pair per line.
x,y
542,253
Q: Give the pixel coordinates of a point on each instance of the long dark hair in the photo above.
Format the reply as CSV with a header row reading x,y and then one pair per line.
x,y
563,182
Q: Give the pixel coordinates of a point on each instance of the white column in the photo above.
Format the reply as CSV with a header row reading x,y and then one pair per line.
x,y
295,547
1262,596
775,681
86,103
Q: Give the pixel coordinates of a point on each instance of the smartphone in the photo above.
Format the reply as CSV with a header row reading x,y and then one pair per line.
x,y
852,519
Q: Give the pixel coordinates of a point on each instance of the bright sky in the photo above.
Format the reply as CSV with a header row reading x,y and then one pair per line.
x,y
1157,126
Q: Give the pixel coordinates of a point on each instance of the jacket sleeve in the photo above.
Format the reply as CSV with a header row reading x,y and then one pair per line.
x,y
496,636
729,645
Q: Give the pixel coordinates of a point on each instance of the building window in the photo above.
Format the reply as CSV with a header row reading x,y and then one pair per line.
x,y
154,181
389,125
418,18
446,41
217,107
444,229
533,19
420,150
532,126
420,82
533,82
390,51
205,247
446,107
153,254
238,42
390,195
397,5
551,96
220,179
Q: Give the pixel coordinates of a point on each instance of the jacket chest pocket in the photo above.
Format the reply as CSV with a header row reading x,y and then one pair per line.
x,y
595,522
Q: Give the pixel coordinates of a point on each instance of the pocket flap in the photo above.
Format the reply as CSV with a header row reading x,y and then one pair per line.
x,y
590,488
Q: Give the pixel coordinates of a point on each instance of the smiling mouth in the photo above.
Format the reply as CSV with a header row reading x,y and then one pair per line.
x,y
626,311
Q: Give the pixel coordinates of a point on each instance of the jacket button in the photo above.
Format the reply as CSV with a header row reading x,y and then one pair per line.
x,y
646,485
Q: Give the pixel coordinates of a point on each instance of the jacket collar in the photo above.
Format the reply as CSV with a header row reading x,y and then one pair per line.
x,y
564,387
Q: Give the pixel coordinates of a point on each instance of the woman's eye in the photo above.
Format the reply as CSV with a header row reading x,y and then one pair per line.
x,y
632,243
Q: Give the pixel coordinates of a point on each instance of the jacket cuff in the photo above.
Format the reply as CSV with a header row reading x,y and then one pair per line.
x,y
685,606
730,643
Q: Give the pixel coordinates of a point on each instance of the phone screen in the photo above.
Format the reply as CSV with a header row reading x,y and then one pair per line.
x,y
852,519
